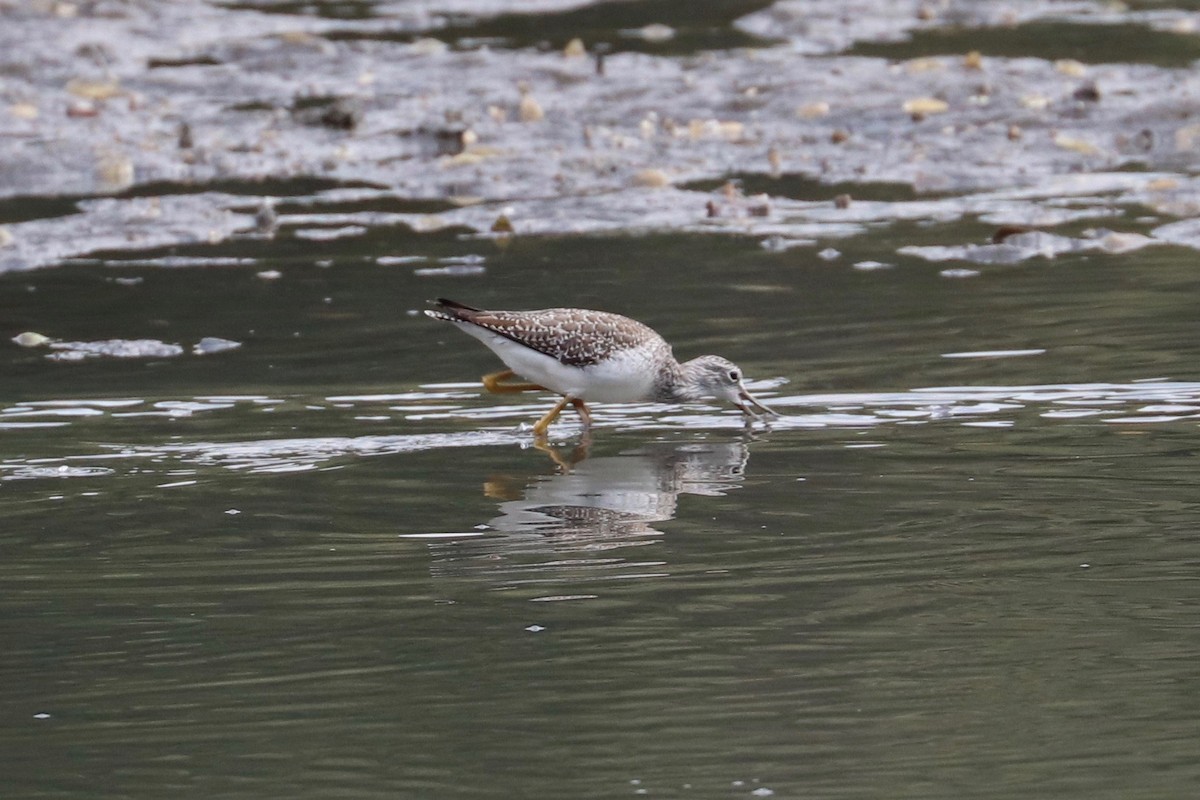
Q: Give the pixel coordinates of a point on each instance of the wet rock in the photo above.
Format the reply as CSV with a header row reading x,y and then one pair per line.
x,y
575,49
339,113
711,116
1087,93
921,107
1035,101
115,171
530,110
449,141
1070,67
651,178
93,90
1076,144
1006,231
82,108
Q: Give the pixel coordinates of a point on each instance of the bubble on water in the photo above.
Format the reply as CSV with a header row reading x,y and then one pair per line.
x,y
31,339
213,344
113,348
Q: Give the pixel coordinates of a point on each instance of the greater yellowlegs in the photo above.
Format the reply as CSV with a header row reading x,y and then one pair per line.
x,y
592,356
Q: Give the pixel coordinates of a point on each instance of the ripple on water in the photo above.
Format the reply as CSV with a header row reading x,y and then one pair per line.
x,y
29,472
1140,403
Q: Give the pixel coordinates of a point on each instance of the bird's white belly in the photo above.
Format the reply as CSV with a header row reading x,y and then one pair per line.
x,y
626,377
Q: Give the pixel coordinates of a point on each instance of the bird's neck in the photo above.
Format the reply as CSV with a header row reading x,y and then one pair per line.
x,y
677,383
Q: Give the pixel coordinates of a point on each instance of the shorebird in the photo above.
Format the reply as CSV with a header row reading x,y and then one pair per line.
x,y
595,356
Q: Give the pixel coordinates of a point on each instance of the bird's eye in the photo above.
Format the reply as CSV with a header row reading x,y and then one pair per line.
x,y
733,376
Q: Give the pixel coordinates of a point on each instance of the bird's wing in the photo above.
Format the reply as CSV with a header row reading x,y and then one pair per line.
x,y
575,337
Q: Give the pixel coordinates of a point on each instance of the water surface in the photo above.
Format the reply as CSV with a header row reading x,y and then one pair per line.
x,y
263,535
961,562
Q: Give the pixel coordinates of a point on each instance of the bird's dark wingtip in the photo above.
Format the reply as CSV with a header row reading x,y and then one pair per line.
x,y
444,303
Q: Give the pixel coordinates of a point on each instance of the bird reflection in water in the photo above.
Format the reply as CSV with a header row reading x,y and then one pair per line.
x,y
564,459
562,526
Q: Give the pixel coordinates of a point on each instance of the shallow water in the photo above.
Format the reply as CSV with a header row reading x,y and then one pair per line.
x,y
960,562
265,537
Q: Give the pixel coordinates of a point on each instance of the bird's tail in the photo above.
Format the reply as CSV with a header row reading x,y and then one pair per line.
x,y
450,310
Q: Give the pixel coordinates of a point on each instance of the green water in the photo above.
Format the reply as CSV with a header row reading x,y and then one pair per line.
x,y
324,565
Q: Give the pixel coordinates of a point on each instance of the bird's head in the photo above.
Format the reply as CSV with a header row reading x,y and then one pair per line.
x,y
713,376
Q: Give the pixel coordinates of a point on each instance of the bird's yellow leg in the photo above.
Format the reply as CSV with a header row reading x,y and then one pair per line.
x,y
540,427
494,383
584,414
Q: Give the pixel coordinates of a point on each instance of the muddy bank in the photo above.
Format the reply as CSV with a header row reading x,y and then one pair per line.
x,y
129,126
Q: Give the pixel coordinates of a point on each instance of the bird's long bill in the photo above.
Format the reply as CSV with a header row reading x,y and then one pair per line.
x,y
749,400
